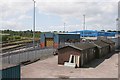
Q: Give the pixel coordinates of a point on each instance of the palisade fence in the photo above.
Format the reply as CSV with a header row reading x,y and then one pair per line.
x,y
24,56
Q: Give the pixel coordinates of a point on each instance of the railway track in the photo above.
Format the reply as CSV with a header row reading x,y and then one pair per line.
x,y
7,47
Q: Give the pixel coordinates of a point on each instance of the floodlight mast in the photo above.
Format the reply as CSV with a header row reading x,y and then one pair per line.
x,y
84,26
34,25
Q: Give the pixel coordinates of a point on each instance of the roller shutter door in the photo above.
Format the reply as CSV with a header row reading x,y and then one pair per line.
x,y
49,42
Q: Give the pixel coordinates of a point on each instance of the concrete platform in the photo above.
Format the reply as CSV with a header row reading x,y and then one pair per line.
x,y
49,68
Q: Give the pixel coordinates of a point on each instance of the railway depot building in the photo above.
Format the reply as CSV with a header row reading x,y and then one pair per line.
x,y
58,39
84,51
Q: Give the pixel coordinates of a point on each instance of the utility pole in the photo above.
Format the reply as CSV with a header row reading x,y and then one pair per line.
x,y
34,25
84,26
117,24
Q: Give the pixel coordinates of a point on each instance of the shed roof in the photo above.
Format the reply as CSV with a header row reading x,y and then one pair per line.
x,y
108,41
81,46
100,44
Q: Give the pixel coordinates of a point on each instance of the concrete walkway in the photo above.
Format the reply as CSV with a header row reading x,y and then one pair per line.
x,y
49,68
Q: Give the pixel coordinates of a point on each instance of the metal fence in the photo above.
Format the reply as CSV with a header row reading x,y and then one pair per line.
x,y
23,56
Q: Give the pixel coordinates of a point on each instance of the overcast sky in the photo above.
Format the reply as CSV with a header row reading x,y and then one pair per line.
x,y
52,14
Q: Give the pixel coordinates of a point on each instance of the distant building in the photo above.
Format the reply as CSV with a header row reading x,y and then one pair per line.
x,y
107,34
86,33
92,33
58,39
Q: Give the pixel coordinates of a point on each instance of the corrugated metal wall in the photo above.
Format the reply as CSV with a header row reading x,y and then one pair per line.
x,y
19,57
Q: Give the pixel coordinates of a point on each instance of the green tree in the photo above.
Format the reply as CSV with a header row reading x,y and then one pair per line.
x,y
109,31
103,30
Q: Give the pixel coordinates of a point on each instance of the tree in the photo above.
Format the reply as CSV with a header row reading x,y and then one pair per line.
x,y
4,37
60,31
55,32
109,31
118,32
31,31
114,31
103,30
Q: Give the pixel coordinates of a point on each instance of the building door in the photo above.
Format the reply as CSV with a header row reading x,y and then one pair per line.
x,y
49,42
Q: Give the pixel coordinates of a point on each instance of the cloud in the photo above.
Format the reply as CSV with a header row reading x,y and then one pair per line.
x,y
9,25
24,17
13,13
76,27
98,12
77,1
14,8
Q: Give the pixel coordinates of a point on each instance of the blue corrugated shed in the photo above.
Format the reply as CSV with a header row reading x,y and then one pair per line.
x,y
112,34
86,33
101,33
94,33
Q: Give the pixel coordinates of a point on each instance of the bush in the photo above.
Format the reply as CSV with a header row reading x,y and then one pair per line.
x,y
17,37
4,37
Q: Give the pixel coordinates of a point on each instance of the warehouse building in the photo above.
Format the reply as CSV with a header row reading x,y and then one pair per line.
x,y
10,72
86,33
94,33
84,51
58,40
102,48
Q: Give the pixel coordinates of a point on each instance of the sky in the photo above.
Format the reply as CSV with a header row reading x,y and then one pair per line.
x,y
52,14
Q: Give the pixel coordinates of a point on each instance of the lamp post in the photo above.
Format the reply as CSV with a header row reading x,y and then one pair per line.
x,y
34,25
84,26
116,24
